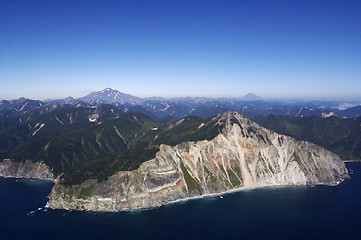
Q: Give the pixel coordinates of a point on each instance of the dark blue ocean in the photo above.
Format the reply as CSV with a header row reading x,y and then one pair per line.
x,y
269,213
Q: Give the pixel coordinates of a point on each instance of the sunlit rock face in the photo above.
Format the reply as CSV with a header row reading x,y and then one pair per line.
x,y
243,155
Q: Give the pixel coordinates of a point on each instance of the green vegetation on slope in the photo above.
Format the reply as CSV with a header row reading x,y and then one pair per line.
x,y
78,149
192,184
338,135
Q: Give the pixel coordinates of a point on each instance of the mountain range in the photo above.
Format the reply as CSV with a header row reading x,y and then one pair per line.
x,y
103,159
75,136
159,108
110,151
109,95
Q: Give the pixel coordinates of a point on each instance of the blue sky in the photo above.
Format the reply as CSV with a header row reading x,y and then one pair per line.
x,y
276,49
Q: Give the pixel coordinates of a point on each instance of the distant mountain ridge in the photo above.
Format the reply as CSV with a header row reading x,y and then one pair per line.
x,y
8,108
109,95
157,108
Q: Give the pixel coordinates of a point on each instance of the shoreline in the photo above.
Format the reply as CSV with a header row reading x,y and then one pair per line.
x,y
194,198
351,161
234,191
177,200
41,179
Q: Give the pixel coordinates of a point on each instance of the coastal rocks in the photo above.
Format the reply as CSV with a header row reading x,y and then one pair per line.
x,y
152,184
26,169
243,155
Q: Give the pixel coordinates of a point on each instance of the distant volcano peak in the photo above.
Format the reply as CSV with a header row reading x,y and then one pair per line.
x,y
251,97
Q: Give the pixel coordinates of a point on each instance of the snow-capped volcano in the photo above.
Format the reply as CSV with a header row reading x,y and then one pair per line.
x,y
250,97
109,95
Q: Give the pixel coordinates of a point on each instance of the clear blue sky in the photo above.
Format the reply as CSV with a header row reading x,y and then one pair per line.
x,y
276,49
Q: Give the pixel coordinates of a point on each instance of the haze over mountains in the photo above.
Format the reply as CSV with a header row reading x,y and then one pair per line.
x,y
109,95
24,117
250,105
336,121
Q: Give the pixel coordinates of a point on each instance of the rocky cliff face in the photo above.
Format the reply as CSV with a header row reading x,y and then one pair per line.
x,y
243,155
26,169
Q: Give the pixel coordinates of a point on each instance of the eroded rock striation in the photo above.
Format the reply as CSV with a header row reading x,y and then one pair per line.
x,y
243,155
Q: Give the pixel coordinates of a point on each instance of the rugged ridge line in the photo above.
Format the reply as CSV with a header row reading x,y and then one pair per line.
x,y
244,155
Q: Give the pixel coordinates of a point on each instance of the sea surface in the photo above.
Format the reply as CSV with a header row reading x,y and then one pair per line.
x,y
321,212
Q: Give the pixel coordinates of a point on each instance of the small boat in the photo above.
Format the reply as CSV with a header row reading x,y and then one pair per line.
x,y
220,197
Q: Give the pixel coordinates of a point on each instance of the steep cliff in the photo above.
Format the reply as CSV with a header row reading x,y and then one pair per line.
x,y
243,155
26,169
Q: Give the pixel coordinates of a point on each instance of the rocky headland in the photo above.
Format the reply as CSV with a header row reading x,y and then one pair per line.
x,y
26,169
243,155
